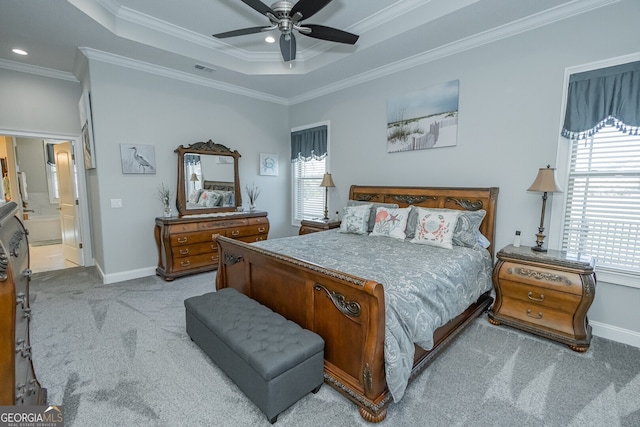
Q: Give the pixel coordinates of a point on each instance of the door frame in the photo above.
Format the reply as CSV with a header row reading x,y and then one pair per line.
x,y
83,199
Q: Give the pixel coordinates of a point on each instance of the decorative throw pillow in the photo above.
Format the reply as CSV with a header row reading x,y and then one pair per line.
x,y
468,228
435,228
195,196
208,199
355,219
391,222
374,208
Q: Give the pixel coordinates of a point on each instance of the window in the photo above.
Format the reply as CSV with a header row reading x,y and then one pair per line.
x,y
309,151
308,195
602,215
602,210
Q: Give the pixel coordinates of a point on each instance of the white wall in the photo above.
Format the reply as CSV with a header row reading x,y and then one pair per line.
x,y
132,107
510,111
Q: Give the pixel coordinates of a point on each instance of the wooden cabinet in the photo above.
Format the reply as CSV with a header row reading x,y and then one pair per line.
x,y
545,293
186,245
313,226
18,382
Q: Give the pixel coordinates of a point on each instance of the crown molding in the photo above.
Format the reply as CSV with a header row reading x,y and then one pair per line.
x,y
145,67
40,71
532,22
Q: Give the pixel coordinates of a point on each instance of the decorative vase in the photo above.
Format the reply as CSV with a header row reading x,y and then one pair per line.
x,y
167,211
252,207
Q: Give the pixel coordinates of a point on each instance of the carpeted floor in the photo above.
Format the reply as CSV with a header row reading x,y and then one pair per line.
x,y
118,355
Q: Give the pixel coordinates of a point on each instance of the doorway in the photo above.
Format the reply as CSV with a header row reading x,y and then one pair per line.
x,y
34,181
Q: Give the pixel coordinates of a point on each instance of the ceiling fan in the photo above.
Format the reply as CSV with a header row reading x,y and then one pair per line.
x,y
286,17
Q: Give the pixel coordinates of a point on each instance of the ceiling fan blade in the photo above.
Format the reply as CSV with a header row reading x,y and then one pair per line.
x,y
288,47
308,8
331,34
241,32
259,6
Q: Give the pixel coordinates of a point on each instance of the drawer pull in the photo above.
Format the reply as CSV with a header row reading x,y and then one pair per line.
x,y
539,316
184,251
532,298
185,263
235,232
182,239
261,229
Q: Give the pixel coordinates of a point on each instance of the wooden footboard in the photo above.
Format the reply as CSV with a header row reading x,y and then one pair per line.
x,y
346,311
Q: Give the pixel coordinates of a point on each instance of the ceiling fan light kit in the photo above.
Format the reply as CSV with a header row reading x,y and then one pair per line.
x,y
287,17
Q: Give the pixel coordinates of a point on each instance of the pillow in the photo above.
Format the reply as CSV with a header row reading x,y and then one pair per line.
x,y
391,222
374,209
355,219
483,241
466,230
435,227
195,196
208,199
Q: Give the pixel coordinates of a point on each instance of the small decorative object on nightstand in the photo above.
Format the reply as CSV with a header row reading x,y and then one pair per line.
x,y
327,182
545,293
314,225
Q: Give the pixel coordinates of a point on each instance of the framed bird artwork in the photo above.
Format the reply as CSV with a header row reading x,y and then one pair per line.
x,y
138,159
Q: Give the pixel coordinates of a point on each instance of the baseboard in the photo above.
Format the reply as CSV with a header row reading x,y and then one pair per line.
x,y
615,333
125,275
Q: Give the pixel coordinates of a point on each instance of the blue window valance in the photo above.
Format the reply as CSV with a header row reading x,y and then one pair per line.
x,y
604,96
192,159
51,157
309,144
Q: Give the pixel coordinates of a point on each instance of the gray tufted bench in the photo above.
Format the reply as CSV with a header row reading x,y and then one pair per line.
x,y
272,360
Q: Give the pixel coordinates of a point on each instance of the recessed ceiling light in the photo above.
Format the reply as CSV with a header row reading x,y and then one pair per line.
x,y
19,51
270,39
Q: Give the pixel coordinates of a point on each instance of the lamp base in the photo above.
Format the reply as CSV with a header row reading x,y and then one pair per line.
x,y
538,249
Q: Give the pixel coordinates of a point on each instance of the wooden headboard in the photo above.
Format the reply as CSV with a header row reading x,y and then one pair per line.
x,y
219,185
471,199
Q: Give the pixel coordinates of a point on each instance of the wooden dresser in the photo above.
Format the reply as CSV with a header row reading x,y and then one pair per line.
x,y
545,293
18,382
186,245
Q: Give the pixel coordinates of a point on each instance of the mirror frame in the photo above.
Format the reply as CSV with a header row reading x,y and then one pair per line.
x,y
205,148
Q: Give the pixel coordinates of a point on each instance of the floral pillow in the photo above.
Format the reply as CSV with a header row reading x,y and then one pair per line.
x,y
374,209
355,219
391,222
208,199
435,228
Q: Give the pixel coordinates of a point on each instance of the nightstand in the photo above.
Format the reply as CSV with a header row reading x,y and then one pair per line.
x,y
545,293
314,225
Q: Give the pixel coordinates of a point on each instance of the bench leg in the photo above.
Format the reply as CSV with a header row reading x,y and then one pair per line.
x,y
274,419
317,389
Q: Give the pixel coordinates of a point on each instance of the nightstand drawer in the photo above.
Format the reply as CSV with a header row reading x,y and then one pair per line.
x,y
538,315
561,281
560,301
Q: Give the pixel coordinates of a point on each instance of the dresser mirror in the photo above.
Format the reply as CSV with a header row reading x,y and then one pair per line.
x,y
208,179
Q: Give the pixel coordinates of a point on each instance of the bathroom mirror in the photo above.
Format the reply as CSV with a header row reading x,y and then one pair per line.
x,y
208,179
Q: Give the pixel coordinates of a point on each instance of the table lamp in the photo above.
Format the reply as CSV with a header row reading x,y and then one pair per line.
x,y
194,179
545,182
327,182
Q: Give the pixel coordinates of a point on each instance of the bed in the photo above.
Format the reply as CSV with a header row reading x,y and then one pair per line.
x,y
347,305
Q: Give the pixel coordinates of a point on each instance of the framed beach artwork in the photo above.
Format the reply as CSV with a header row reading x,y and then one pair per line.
x,y
423,119
269,164
138,159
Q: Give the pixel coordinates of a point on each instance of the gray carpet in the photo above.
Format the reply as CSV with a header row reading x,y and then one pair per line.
x,y
118,355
